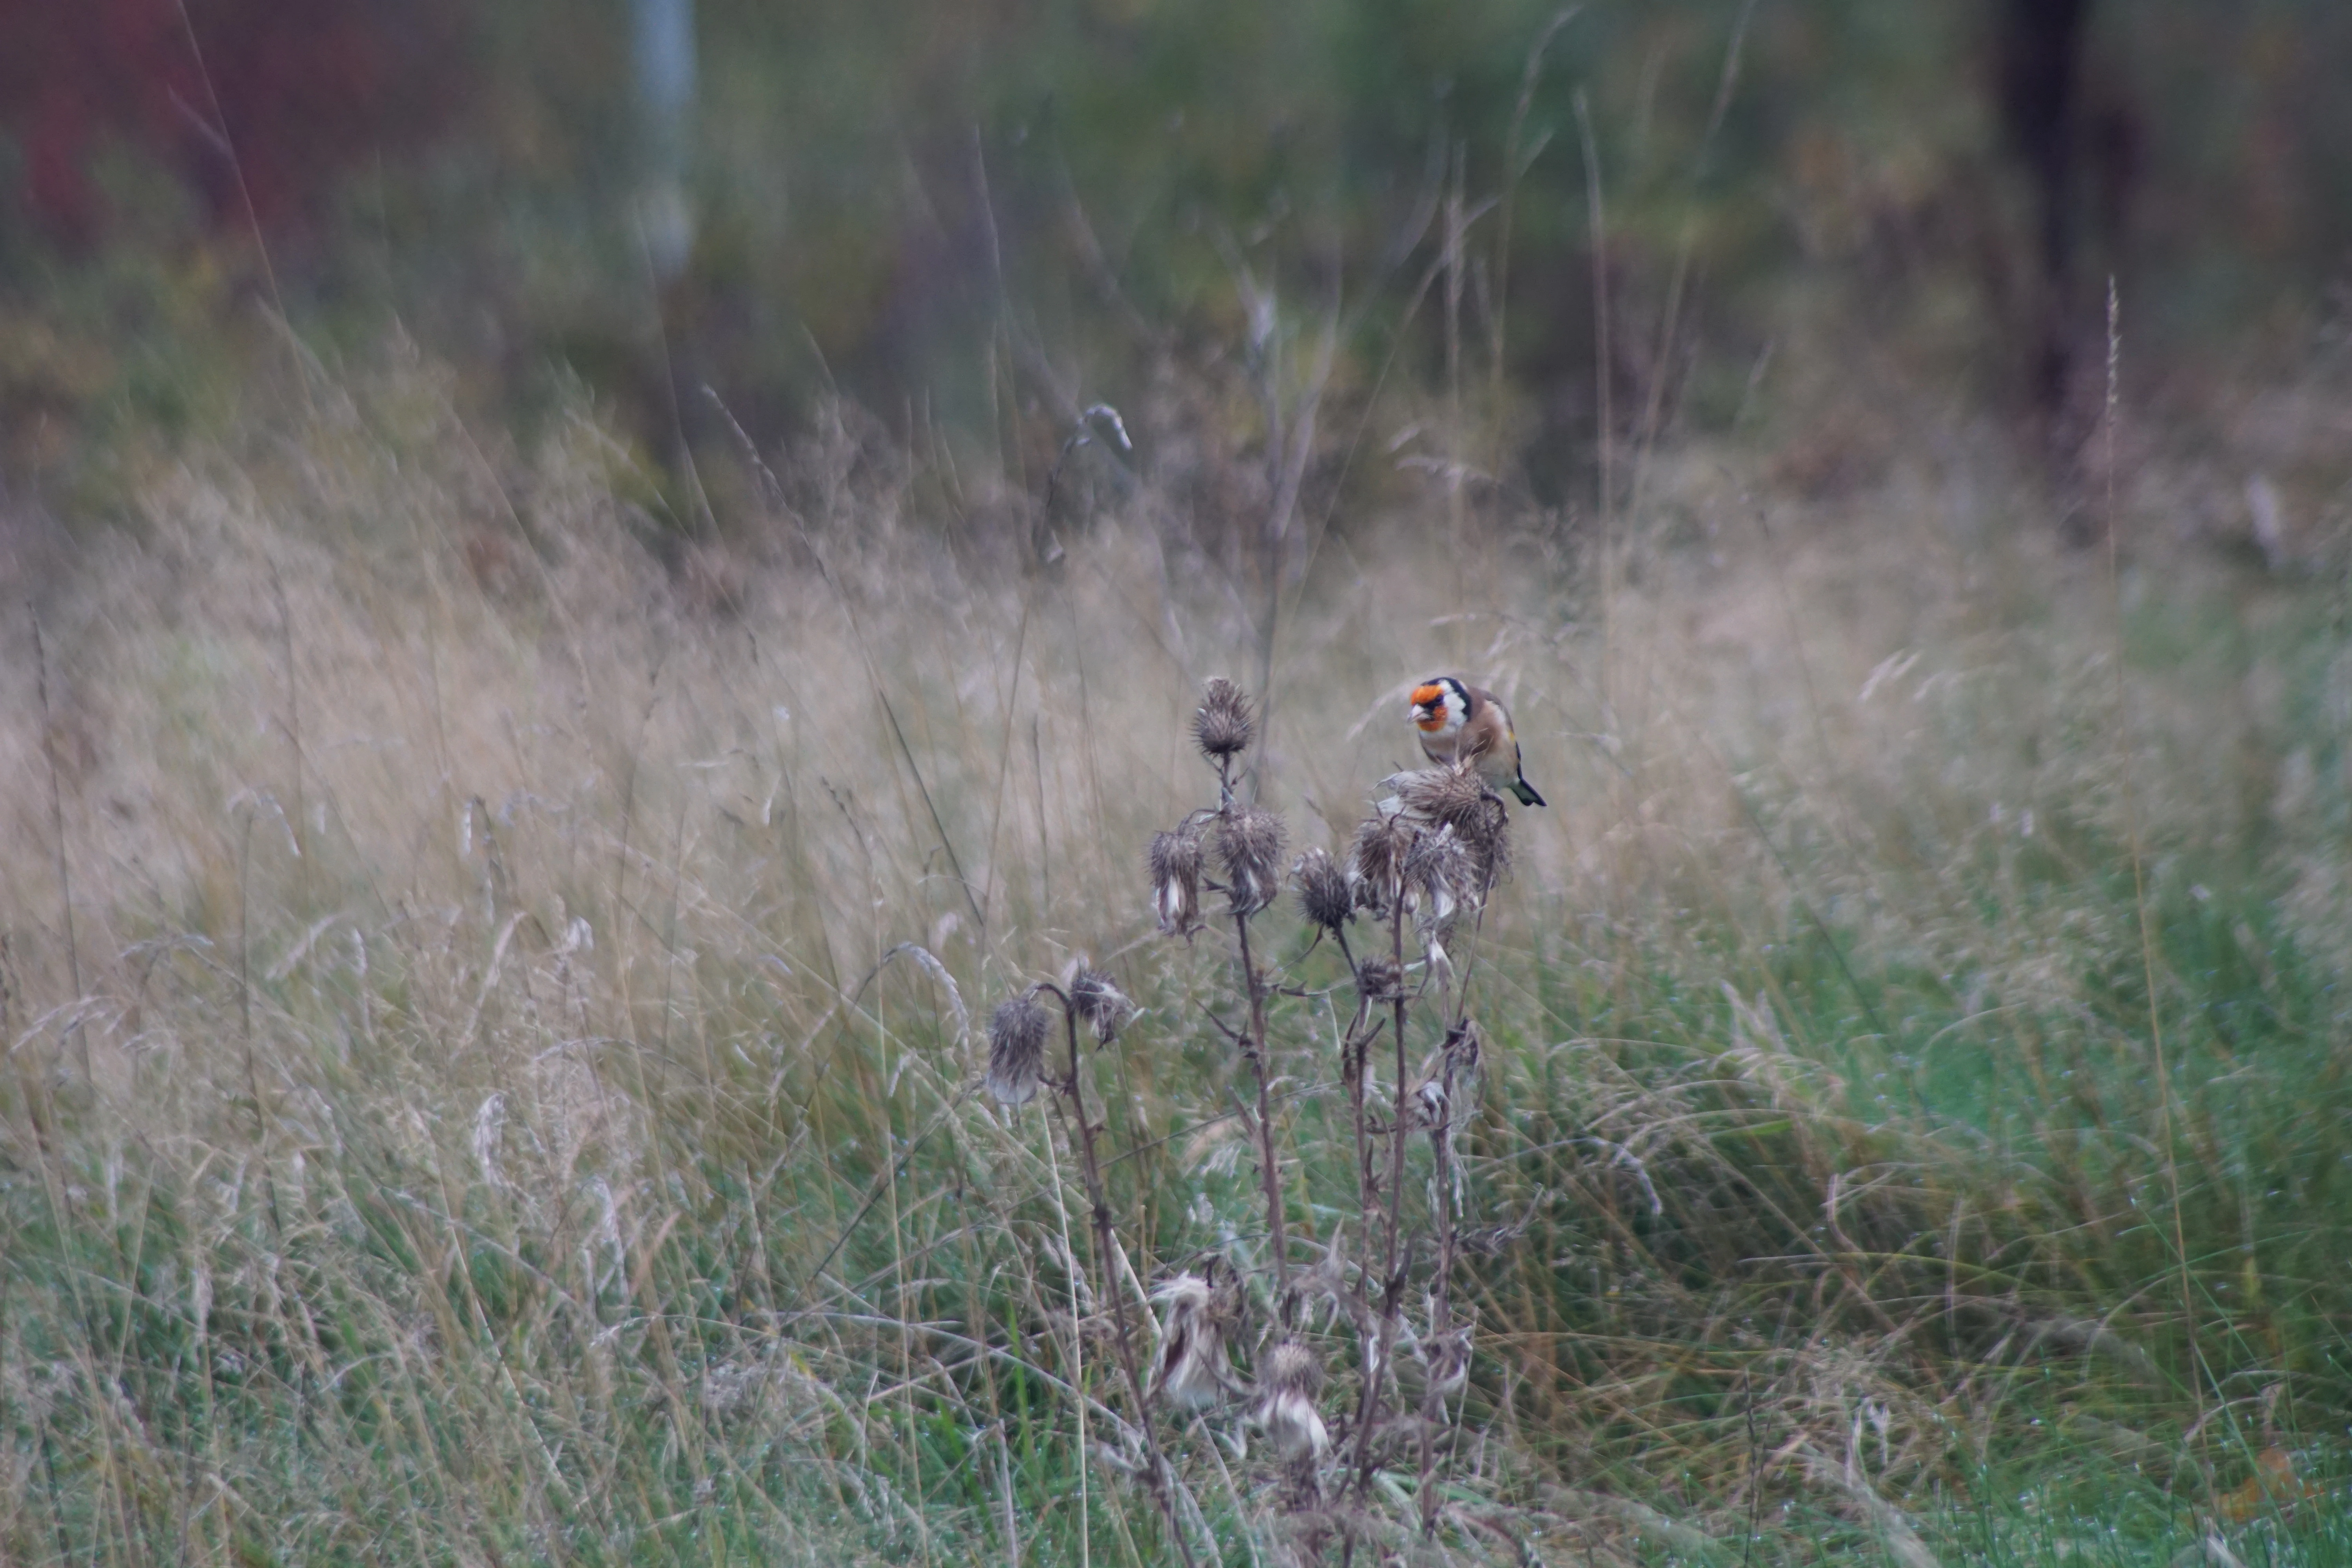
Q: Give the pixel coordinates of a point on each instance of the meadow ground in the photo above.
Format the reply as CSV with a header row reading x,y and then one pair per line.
x,y
496,997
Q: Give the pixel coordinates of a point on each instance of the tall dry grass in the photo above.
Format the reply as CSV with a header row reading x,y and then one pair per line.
x,y
510,1086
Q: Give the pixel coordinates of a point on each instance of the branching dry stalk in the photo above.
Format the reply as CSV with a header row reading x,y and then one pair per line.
x,y
1378,1365
1247,842
1355,1055
1445,1360
1427,857
1262,1124
1433,850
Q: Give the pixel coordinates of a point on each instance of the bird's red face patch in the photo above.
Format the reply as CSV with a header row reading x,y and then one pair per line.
x,y
1429,707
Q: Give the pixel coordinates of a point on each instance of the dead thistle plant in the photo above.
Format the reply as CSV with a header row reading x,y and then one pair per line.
x,y
1420,867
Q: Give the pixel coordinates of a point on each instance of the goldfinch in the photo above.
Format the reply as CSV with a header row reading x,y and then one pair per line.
x,y
1462,726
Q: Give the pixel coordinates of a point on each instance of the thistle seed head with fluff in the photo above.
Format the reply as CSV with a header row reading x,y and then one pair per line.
x,y
1462,1052
1439,877
1436,1107
1176,880
1223,724
1097,998
1286,1405
1379,979
1249,846
1376,861
1459,799
1435,794
1485,833
1016,1048
1323,894
1191,1368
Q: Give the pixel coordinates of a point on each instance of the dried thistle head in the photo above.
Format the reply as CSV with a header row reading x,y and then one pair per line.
x,y
1445,1362
1191,1369
1376,861
1379,979
1440,877
1223,724
1175,861
1485,833
1435,794
1325,896
1097,998
1285,1411
1326,1289
1462,1052
1249,847
1459,799
1016,1048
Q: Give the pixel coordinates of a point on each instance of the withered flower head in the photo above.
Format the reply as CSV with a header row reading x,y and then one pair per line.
x,y
1223,725
1324,895
1485,833
1379,979
1376,861
1437,794
1176,880
1097,999
1016,1048
1445,1362
1457,798
1249,846
1286,1405
1439,877
1462,1052
1191,1369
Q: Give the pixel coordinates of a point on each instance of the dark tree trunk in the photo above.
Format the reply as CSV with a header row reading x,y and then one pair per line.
x,y
2038,85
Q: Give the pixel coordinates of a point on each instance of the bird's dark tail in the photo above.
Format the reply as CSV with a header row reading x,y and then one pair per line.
x,y
1526,794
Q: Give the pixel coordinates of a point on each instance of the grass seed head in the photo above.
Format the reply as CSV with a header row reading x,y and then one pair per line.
x,y
1224,725
1175,861
1016,1048
1325,896
1249,847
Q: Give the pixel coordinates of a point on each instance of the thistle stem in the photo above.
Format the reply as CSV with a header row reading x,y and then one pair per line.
x,y
1392,1273
1269,1173
1441,1311
1354,1049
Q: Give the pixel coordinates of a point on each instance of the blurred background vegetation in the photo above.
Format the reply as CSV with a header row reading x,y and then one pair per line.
x,y
442,1116
972,219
